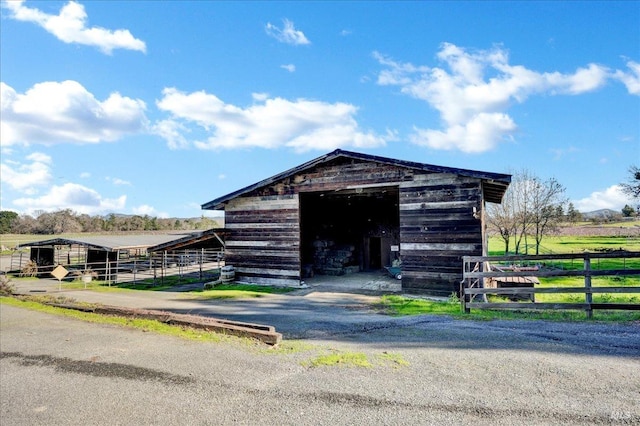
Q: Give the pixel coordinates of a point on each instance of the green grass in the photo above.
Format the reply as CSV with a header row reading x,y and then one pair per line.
x,y
137,323
343,359
237,291
401,306
595,282
393,359
571,244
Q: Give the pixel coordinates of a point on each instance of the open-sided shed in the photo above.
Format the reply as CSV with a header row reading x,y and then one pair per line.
x,y
345,212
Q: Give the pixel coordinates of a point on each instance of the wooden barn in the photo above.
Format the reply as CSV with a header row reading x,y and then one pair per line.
x,y
346,212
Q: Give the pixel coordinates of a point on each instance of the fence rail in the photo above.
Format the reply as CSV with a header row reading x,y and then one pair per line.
x,y
505,276
203,264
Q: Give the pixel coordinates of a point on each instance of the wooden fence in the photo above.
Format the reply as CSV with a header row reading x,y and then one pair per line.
x,y
515,277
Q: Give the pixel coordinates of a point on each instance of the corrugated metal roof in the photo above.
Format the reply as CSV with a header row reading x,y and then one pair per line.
x,y
110,242
495,184
214,235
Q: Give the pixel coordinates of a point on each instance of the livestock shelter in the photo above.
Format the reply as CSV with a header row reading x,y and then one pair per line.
x,y
129,256
346,212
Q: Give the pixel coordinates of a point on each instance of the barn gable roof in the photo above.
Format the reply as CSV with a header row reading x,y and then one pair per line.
x,y
495,184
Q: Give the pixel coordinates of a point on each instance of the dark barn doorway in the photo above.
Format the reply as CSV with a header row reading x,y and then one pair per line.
x,y
348,231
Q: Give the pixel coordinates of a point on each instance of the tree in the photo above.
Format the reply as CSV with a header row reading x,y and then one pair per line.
x,y
530,207
627,211
7,221
545,216
501,217
573,215
632,186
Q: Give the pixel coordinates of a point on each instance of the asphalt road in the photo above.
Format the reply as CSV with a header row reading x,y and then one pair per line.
x,y
56,370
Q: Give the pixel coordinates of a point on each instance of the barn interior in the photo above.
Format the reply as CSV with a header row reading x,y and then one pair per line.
x,y
348,231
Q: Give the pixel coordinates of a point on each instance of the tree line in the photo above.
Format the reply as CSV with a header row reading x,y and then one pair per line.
x,y
68,221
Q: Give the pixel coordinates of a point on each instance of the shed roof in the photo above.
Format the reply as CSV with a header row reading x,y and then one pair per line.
x,y
109,242
495,184
208,237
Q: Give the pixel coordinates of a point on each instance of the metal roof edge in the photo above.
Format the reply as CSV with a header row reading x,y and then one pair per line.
x,y
218,203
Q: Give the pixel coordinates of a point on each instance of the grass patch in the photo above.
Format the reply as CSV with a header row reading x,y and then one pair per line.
x,y
342,359
237,291
612,281
401,306
137,323
572,244
393,359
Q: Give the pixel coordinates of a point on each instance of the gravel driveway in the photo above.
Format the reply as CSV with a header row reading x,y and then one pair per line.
x,y
61,371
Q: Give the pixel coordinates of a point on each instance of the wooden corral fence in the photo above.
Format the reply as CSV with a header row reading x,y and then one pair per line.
x,y
515,277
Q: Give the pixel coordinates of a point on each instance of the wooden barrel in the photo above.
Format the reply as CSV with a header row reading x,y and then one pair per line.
x,y
227,274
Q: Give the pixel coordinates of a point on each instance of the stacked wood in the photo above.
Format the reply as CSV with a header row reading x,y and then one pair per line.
x,y
332,259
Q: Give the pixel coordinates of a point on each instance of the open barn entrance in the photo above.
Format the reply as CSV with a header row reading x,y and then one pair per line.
x,y
348,231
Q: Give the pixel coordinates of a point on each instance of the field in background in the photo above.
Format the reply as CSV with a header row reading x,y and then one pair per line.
x,y
587,238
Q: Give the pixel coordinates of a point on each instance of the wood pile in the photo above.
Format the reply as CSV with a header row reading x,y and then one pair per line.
x,y
332,259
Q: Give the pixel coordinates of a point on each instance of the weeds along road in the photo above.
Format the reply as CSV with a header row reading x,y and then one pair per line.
x,y
424,370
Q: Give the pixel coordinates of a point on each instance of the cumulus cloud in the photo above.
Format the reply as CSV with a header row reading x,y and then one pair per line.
x,y
72,196
473,90
631,79
26,177
58,112
287,34
70,26
611,198
269,123
289,67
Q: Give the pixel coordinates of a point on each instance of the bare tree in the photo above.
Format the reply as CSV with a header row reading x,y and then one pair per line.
x,y
530,207
632,186
545,216
501,218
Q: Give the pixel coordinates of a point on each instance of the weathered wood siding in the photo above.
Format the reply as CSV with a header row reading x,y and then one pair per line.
x,y
263,243
437,228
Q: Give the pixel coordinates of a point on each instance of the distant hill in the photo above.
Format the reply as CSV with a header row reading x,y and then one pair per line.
x,y
602,214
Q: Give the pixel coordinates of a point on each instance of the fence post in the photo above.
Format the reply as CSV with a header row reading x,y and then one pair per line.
x,y
587,284
463,286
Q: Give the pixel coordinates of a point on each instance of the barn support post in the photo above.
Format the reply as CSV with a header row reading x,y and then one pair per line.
x,y
106,269
164,265
155,273
117,265
587,284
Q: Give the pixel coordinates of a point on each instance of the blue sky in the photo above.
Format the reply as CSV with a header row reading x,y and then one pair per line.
x,y
146,107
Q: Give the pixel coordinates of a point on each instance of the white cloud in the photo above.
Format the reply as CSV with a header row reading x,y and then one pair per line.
x,y
481,133
269,123
149,211
69,26
52,112
611,198
473,90
26,177
630,79
118,181
72,196
289,67
287,34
